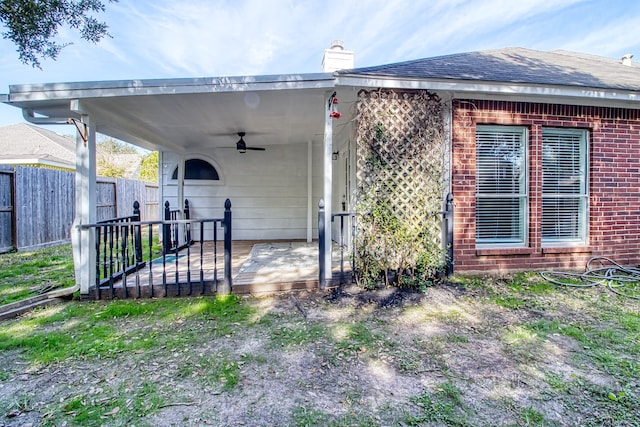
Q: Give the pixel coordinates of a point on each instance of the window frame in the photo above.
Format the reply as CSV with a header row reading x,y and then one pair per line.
x,y
195,182
583,196
523,196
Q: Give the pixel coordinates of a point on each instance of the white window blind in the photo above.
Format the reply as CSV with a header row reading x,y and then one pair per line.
x,y
501,185
564,188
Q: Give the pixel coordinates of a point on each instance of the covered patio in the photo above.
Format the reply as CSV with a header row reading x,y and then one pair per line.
x,y
258,267
275,191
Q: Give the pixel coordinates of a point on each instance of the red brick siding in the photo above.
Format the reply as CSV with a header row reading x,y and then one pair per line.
x,y
614,184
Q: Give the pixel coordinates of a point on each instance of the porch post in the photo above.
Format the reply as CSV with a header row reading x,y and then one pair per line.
x,y
228,258
84,250
309,191
181,171
328,185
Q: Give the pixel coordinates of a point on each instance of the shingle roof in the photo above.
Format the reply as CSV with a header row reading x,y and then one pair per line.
x,y
22,142
26,141
516,65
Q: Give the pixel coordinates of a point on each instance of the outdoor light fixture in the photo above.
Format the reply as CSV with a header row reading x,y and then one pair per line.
x,y
241,146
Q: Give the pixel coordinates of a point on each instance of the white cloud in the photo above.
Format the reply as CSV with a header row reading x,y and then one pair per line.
x,y
614,39
466,22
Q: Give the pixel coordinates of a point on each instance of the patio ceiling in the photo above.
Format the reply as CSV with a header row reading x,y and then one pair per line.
x,y
186,115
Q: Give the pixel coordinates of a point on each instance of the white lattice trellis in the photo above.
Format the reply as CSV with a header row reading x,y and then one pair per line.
x,y
401,172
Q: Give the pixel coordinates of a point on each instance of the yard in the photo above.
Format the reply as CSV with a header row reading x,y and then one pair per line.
x,y
506,351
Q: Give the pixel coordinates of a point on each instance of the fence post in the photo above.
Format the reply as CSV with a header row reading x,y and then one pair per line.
x,y
166,229
187,215
226,287
321,245
137,232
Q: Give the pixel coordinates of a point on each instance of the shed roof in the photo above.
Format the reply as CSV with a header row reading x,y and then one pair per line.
x,y
515,65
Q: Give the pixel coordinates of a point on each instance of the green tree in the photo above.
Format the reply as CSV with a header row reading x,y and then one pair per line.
x,y
149,168
112,158
111,146
32,25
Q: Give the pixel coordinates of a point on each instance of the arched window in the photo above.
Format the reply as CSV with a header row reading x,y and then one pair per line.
x,y
198,169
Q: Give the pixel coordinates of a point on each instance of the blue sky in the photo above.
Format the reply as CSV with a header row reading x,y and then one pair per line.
x,y
200,38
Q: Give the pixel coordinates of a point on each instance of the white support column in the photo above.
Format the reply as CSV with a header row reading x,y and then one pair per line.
x,y
328,187
161,181
309,191
181,172
84,249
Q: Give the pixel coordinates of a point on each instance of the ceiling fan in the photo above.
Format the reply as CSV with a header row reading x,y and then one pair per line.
x,y
241,146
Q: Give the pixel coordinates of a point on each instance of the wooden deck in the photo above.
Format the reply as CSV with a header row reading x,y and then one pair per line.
x,y
257,267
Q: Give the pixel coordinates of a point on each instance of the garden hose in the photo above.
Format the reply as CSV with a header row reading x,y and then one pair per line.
x,y
623,281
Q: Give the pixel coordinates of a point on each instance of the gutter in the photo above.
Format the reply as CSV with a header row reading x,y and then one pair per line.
x,y
115,88
579,95
29,115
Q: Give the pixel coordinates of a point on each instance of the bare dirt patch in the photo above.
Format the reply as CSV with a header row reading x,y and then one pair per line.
x,y
449,356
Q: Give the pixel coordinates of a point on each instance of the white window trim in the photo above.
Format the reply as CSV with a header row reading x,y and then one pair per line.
x,y
585,160
524,220
195,182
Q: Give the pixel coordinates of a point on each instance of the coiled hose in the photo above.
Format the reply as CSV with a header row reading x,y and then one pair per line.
x,y
600,270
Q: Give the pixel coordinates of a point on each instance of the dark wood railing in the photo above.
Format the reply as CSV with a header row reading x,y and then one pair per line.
x,y
127,246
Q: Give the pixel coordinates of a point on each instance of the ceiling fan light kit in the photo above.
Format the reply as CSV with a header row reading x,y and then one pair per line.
x,y
241,145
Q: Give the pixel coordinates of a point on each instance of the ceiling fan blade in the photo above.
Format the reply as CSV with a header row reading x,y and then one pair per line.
x,y
256,148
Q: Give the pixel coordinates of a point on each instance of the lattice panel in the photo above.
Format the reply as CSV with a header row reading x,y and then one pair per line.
x,y
401,157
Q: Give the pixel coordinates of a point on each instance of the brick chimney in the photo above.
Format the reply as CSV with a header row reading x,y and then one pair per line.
x,y
336,58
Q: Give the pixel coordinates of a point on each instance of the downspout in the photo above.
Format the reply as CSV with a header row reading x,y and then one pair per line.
x,y
29,116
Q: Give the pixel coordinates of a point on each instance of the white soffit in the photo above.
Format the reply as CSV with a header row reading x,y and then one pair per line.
x,y
190,114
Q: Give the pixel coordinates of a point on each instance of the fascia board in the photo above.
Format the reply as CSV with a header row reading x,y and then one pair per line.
x,y
38,162
463,88
53,91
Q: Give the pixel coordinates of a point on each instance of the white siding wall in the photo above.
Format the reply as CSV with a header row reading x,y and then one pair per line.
x,y
268,190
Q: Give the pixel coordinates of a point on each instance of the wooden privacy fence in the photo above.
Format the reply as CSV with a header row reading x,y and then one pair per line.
x,y
115,197
37,205
7,217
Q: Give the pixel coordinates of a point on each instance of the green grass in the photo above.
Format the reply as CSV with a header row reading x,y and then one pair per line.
x,y
98,329
294,334
23,273
156,245
551,340
443,406
305,416
220,371
603,344
115,406
531,417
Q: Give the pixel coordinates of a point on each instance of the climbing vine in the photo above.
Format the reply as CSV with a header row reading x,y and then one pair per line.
x,y
402,170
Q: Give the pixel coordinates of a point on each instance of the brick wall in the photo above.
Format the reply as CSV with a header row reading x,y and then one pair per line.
x,y
614,184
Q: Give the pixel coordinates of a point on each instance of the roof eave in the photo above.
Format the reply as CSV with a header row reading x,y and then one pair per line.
x,y
465,88
79,90
35,161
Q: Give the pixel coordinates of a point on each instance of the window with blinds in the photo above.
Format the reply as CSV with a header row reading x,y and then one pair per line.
x,y
501,185
564,187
